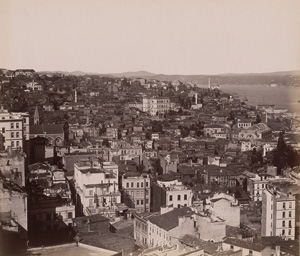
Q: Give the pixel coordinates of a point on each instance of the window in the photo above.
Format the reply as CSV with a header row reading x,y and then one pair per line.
x,y
17,125
147,184
250,252
91,192
70,215
283,224
231,247
142,184
12,135
290,223
290,204
147,201
283,232
142,201
290,232
12,125
290,214
17,134
137,202
178,197
283,205
3,130
48,216
91,202
12,143
18,143
127,185
170,198
283,214
185,197
24,120
132,184
137,184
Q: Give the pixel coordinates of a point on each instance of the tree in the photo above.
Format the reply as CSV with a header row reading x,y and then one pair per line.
x,y
105,142
258,119
280,154
66,131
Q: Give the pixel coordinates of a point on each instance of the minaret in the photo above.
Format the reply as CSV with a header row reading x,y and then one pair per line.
x,y
36,117
196,98
209,83
75,96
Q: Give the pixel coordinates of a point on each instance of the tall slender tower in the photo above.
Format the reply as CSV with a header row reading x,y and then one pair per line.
x,y
209,83
36,117
75,96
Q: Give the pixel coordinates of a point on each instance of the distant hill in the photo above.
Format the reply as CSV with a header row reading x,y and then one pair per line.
x,y
289,78
141,74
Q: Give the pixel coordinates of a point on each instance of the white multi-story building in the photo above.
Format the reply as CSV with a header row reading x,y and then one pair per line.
x,y
156,105
15,128
97,187
225,207
164,229
257,185
278,214
126,151
171,193
136,189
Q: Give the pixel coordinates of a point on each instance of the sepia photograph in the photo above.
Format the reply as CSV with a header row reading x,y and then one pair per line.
x,y
150,128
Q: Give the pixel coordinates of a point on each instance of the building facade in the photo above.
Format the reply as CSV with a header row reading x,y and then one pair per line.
x,y
136,191
278,214
156,105
96,186
15,128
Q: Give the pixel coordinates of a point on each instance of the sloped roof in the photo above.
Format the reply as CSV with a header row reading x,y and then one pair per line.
x,y
36,129
169,220
53,129
48,129
245,244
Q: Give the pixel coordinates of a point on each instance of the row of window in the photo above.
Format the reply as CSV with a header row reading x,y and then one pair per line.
x,y
138,184
139,193
13,134
141,202
178,197
54,216
17,144
12,125
290,224
289,232
290,214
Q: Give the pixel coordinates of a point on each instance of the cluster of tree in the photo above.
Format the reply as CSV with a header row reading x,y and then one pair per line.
x,y
284,155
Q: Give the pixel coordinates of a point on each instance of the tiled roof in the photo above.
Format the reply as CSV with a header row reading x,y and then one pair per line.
x,y
169,220
53,129
36,129
48,129
245,244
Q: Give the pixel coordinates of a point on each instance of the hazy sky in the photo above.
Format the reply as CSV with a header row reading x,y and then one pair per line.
x,y
186,37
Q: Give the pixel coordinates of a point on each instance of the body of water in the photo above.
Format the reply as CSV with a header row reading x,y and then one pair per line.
x,y
280,96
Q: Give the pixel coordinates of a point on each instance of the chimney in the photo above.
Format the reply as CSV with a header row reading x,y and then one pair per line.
x,y
277,250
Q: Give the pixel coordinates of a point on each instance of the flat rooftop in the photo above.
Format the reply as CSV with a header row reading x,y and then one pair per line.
x,y
71,250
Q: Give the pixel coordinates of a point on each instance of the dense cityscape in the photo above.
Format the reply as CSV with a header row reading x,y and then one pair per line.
x,y
138,166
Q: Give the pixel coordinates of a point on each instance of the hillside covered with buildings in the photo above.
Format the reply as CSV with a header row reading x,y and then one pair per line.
x,y
145,166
